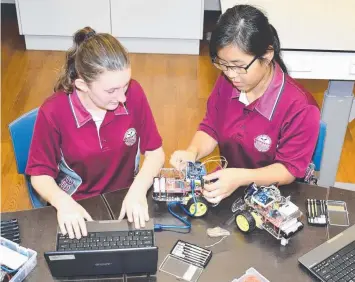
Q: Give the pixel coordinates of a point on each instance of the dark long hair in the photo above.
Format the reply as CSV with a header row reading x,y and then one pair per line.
x,y
248,28
91,54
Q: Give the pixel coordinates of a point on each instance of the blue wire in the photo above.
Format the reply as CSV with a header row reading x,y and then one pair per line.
x,y
159,227
7,270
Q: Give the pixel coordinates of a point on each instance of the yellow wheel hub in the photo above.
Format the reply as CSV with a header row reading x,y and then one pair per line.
x,y
242,223
201,209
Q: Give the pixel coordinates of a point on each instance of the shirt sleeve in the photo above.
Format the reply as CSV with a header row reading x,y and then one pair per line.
x,y
44,154
150,138
209,122
298,141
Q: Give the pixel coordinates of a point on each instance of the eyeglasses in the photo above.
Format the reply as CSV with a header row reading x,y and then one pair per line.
x,y
236,69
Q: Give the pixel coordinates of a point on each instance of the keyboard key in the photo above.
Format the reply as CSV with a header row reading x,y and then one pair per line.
x,y
110,240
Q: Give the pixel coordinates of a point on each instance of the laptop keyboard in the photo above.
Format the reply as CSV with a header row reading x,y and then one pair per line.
x,y
107,240
339,267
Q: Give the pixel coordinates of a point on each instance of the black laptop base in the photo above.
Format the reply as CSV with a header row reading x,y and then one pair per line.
x,y
106,263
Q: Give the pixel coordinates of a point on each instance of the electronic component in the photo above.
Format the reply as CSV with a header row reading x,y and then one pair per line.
x,y
262,198
288,209
265,208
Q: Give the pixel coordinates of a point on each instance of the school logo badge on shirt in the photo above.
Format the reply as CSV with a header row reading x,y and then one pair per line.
x,y
130,137
262,143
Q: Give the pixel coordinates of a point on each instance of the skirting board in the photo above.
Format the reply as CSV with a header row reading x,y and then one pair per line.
x,y
346,186
133,45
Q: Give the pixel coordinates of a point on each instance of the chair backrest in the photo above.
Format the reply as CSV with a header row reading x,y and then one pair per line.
x,y
21,131
318,152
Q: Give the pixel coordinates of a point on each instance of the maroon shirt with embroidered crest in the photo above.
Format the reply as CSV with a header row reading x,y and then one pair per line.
x,y
104,160
280,127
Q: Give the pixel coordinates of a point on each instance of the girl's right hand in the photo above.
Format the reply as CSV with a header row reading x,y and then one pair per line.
x,y
71,218
179,159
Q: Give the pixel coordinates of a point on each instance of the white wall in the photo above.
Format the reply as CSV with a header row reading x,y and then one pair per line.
x,y
309,24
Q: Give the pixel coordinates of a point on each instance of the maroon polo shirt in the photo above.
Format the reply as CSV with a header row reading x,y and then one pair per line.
x,y
104,160
279,127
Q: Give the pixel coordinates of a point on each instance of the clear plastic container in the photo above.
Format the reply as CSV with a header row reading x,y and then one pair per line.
x,y
251,275
28,266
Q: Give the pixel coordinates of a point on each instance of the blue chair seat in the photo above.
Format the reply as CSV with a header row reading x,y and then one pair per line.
x,y
21,132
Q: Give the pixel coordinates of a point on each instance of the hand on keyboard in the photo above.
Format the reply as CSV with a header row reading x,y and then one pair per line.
x,y
136,207
71,217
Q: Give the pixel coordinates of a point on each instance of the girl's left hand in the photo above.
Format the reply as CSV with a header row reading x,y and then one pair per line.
x,y
136,207
226,182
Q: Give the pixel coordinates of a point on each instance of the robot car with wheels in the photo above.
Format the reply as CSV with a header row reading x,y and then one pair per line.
x,y
264,208
184,187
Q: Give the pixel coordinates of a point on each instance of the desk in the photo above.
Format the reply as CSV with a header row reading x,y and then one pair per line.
x,y
235,254
38,228
231,258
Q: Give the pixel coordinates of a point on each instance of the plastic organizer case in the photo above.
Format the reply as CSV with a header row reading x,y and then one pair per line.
x,y
251,275
27,267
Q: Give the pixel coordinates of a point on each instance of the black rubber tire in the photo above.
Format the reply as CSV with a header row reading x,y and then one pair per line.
x,y
199,200
249,218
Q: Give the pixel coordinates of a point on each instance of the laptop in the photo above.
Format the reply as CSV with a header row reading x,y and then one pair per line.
x,y
334,260
111,248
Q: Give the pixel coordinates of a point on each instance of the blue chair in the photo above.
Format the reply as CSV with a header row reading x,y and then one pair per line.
x,y
313,170
21,131
318,152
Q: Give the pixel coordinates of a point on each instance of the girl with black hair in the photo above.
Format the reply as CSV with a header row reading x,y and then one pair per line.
x,y
265,124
